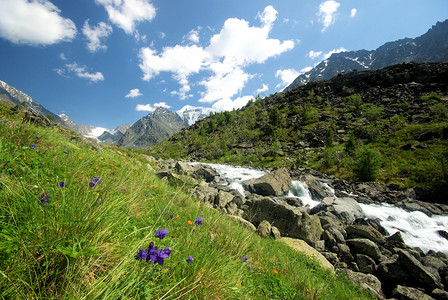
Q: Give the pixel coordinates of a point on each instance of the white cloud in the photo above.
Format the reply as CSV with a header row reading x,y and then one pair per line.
x,y
80,71
327,55
306,69
268,16
223,86
34,23
353,12
127,13
162,35
228,52
327,13
287,76
133,93
151,107
227,104
314,54
96,35
193,36
263,89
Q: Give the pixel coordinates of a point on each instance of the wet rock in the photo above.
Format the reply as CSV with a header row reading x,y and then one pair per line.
x,y
344,254
347,209
205,173
317,187
276,183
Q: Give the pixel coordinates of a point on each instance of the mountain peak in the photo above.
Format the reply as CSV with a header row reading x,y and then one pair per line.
x,y
429,47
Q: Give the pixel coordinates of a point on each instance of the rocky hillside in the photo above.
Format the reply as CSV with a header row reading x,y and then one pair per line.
x,y
151,129
399,112
429,47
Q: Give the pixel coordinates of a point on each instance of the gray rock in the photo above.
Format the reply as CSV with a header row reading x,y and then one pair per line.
x,y
344,254
264,229
365,231
275,232
205,173
367,281
345,208
317,187
364,246
419,274
244,222
365,263
223,198
290,221
276,183
439,294
409,293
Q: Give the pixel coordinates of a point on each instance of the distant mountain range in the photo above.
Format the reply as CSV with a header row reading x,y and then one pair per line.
x,y
147,131
429,47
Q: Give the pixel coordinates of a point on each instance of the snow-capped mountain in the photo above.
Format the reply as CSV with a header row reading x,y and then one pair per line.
x,y
12,95
429,47
190,114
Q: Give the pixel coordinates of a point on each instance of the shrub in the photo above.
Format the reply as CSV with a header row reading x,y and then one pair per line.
x,y
367,164
430,97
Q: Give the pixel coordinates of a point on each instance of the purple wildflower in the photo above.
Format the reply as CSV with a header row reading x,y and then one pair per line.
x,y
37,136
44,199
249,267
95,180
245,259
147,195
161,255
61,184
161,233
171,216
32,146
198,222
190,259
141,254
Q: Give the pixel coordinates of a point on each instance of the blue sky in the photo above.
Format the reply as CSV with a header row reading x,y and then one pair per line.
x,y
110,62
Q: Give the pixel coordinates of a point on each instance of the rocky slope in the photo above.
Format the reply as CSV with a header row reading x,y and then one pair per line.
x,y
336,229
151,129
429,47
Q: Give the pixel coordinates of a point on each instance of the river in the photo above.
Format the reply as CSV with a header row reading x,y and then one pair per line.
x,y
417,229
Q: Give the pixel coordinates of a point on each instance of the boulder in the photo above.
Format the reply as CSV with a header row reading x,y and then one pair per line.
x,y
409,293
366,281
439,294
365,264
366,232
420,276
276,183
318,189
205,173
345,208
364,246
303,247
275,232
290,221
244,223
264,229
182,168
223,198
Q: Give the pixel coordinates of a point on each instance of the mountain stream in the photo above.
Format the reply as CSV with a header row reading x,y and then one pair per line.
x,y
417,229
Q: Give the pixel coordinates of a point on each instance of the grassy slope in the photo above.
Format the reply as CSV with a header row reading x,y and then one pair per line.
x,y
81,244
269,127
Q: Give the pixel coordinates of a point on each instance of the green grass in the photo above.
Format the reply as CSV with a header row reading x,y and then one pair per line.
x,y
81,244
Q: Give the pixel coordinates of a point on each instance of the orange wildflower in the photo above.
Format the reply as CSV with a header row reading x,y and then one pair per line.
x,y
189,222
275,271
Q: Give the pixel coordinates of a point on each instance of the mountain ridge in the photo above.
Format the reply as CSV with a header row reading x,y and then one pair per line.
x,y
429,47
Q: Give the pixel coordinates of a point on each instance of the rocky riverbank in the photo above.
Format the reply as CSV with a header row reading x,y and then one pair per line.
x,y
335,232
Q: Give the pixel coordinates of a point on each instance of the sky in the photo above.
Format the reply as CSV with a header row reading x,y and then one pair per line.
x,y
110,62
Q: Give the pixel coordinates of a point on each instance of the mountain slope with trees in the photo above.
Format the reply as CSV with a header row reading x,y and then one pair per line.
x,y
389,125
